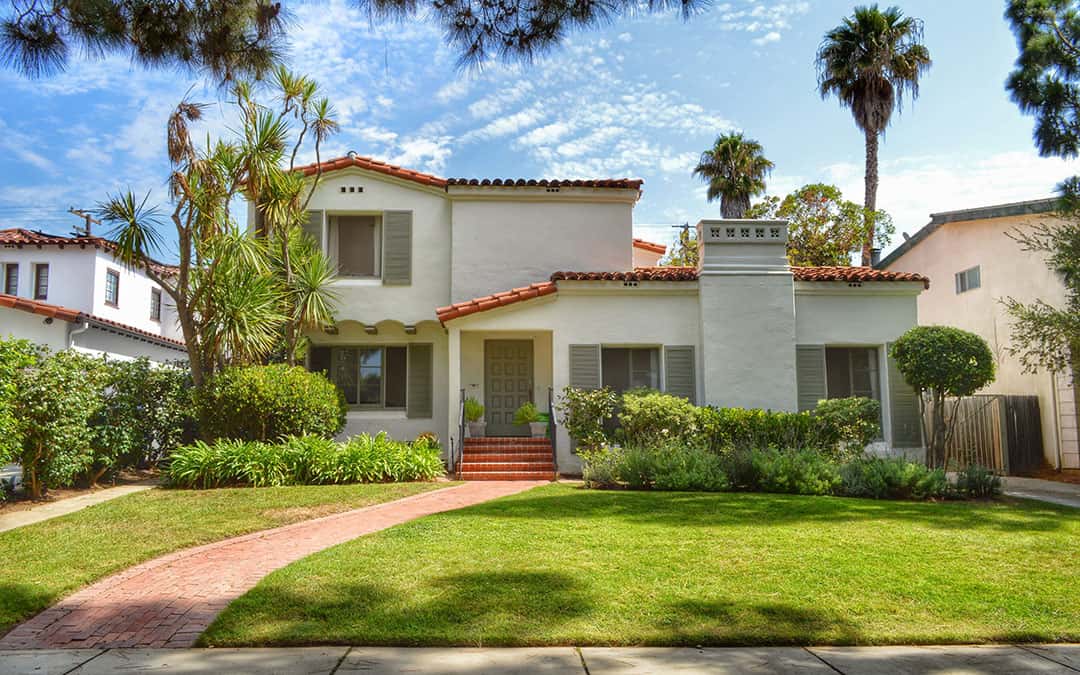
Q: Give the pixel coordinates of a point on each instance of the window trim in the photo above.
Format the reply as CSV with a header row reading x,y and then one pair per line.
x,y
37,281
8,266
331,225
382,347
962,279
155,295
115,274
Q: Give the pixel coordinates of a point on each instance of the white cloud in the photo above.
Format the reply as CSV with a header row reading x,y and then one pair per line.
x,y
771,36
427,154
506,125
625,37
453,91
545,135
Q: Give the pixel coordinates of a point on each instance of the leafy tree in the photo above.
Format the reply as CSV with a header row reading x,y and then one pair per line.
x,y
15,355
238,298
735,169
824,228
942,362
685,251
869,62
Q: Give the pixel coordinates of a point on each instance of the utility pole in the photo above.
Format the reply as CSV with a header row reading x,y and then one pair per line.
x,y
85,215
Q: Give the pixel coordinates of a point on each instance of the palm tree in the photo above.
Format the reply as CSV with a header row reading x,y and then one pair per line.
x,y
735,169
869,62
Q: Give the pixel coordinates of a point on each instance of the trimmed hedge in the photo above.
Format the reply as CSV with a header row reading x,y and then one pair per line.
x,y
305,460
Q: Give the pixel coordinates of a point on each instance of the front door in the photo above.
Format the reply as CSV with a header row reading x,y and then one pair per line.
x,y
508,383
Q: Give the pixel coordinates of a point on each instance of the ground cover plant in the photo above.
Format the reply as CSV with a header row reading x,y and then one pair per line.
x,y
41,563
564,565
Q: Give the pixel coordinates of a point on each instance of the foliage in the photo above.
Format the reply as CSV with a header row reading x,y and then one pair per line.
x,y
474,410
892,478
869,62
674,466
56,402
943,362
584,413
744,429
527,413
977,482
265,403
802,472
304,460
600,465
648,416
847,425
685,251
735,169
15,354
824,229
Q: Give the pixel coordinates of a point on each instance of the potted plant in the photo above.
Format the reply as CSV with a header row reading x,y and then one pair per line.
x,y
474,415
528,414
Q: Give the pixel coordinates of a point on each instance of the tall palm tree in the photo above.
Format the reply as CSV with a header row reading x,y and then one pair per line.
x,y
869,62
735,168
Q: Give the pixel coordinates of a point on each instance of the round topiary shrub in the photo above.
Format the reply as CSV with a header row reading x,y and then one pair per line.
x,y
267,403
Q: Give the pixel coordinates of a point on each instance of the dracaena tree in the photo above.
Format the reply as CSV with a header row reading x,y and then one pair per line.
x,y
238,298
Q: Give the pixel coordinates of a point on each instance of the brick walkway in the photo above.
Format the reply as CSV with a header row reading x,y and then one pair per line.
x,y
169,601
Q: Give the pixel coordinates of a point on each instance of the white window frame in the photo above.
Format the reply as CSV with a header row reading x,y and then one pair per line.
x,y
14,291
964,279
34,280
155,293
110,272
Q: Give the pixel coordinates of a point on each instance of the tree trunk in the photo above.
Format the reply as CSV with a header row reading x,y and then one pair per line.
x,y
939,434
870,194
734,207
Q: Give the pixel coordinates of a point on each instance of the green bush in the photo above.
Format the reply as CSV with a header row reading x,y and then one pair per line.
x,y
526,414
15,355
892,478
600,465
304,460
845,426
647,416
803,472
749,429
669,466
585,413
977,482
267,403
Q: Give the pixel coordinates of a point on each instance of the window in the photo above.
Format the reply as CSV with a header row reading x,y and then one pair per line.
x,y
155,304
625,368
41,282
852,371
968,280
357,245
11,278
371,377
112,288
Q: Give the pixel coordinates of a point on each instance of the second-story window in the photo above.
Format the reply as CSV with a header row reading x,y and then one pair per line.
x,y
155,304
41,282
11,278
357,239
112,288
968,280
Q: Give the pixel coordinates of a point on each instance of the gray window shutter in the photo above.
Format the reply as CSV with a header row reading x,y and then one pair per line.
x,y
679,372
585,366
903,409
810,375
397,248
313,227
420,391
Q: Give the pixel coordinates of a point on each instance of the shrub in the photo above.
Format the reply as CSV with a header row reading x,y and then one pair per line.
x,y
584,414
802,472
680,467
650,416
526,414
303,460
267,403
845,426
474,410
748,429
600,465
892,478
14,356
977,481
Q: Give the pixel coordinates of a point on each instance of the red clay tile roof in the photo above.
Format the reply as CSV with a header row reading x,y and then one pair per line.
x,y
854,274
497,300
18,237
649,246
370,164
72,315
638,274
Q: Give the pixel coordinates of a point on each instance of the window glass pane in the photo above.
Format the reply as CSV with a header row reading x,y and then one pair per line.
x,y
837,373
41,282
644,370
356,245
396,360
112,287
344,372
369,390
615,368
155,304
11,279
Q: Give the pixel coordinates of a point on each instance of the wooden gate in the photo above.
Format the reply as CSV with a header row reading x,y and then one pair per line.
x,y
1003,433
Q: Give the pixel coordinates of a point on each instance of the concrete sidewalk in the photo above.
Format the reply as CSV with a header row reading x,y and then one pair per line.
x,y
973,660
1066,494
48,510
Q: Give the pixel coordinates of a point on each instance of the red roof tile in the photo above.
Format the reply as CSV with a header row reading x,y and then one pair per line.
x,y
617,183
854,274
18,237
497,300
638,274
649,246
72,315
374,165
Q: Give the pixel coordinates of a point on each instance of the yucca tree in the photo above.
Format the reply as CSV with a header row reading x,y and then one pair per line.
x,y
735,169
869,62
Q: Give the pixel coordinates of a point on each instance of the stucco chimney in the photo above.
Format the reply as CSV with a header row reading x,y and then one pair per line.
x,y
747,299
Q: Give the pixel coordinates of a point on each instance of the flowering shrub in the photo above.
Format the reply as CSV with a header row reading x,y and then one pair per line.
x,y
584,413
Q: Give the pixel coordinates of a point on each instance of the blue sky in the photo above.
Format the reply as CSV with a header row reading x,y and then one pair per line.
x,y
641,97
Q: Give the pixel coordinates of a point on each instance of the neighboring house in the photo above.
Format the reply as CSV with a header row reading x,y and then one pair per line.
x,y
976,265
71,292
647,254
511,290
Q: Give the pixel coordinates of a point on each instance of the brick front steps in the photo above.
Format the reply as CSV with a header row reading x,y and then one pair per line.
x,y
507,458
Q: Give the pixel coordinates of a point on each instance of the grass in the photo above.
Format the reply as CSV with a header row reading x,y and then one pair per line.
x,y
41,563
562,565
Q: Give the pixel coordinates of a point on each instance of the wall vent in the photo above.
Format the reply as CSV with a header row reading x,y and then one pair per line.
x,y
352,188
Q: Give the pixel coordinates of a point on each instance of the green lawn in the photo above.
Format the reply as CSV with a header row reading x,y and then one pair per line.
x,y
563,565
41,563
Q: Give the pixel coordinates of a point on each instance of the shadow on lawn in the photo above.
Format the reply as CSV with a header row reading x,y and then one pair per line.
x,y
727,623
19,602
735,509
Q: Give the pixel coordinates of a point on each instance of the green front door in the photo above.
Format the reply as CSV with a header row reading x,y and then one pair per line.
x,y
508,383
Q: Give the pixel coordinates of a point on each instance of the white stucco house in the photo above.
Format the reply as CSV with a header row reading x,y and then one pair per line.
x,y
979,265
509,290
63,292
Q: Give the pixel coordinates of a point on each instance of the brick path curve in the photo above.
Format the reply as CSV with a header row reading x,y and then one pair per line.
x,y
169,601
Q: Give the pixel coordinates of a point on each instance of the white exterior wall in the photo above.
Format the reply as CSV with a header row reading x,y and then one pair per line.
x,y
15,323
70,270
133,306
500,245
1006,271
98,341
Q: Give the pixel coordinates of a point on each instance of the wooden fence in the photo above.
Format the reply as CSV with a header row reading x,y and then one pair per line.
x,y
1000,432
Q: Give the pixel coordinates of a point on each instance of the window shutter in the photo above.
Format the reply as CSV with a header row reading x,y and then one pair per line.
x,y
319,360
313,227
903,408
585,366
420,389
679,370
397,248
810,375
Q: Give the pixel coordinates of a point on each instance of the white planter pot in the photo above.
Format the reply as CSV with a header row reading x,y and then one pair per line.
x,y
476,429
538,429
